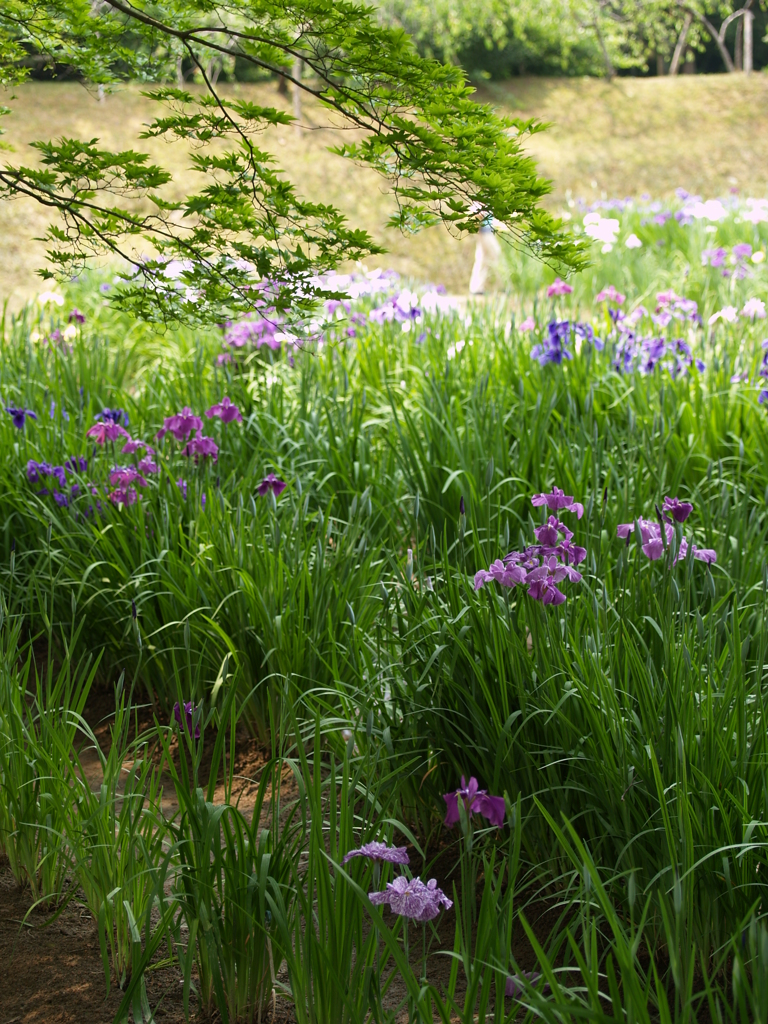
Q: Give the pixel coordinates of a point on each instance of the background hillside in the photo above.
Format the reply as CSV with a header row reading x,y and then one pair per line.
x,y
707,133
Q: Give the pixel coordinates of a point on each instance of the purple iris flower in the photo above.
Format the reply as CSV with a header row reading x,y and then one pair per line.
x,y
680,510
19,415
507,576
131,446
379,851
189,715
76,317
226,410
123,496
148,465
271,483
476,801
77,464
180,425
410,897
548,534
543,581
61,499
558,500
122,476
653,541
202,448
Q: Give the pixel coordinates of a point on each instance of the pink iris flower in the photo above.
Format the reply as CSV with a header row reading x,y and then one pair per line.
x,y
610,294
106,431
558,287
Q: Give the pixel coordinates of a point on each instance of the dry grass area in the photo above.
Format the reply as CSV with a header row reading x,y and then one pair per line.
x,y
631,136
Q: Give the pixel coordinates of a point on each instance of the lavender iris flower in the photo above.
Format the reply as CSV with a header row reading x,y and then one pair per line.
x,y
412,898
476,801
507,576
271,483
19,415
379,851
76,317
77,464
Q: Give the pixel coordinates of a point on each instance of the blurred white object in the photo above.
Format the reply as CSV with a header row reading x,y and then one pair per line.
x,y
487,252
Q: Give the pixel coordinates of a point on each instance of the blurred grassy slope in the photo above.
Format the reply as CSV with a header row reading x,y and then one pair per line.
x,y
706,133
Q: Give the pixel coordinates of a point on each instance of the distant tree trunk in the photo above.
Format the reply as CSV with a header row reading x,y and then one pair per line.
x,y
719,37
749,19
738,47
610,70
660,65
179,72
297,68
680,48
282,84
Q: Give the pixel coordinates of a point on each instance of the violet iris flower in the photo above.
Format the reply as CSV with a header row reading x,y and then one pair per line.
x,y
202,447
76,316
37,470
106,431
379,851
542,581
77,464
189,714
558,500
410,897
476,801
271,483
112,416
680,510
180,425
226,410
19,415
